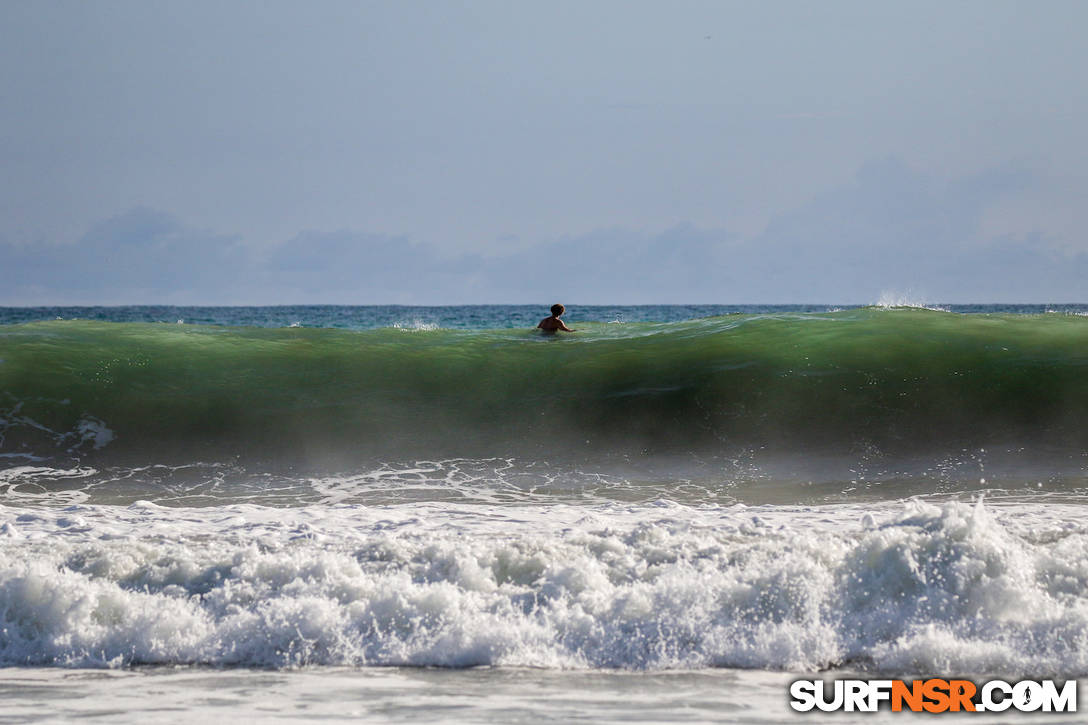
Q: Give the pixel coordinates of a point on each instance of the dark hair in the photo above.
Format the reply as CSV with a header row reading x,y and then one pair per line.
x,y
558,309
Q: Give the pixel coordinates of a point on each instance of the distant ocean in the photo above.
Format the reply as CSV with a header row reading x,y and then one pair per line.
x,y
437,513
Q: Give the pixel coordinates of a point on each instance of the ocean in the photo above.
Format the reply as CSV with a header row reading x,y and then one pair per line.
x,y
439,514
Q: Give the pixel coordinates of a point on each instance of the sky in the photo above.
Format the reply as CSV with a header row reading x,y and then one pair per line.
x,y
603,152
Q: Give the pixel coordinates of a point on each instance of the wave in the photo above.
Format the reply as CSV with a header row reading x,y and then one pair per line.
x,y
905,589
894,379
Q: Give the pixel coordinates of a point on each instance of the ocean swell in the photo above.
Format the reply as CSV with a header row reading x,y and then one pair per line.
x,y
899,380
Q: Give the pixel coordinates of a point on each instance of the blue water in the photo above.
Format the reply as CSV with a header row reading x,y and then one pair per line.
x,y
452,317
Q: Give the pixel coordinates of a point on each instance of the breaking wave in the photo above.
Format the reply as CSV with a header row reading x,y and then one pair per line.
x,y
898,379
905,588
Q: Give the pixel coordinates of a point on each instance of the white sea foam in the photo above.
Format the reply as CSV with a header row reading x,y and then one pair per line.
x,y
94,431
416,325
890,300
483,480
1074,313
39,484
955,588
89,431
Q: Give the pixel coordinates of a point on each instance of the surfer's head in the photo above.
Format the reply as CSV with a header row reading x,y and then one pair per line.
x,y
558,309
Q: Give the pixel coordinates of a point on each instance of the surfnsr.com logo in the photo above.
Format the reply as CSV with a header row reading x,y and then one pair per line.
x,y
933,695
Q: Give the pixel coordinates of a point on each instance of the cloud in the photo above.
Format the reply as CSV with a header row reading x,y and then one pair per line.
x,y
601,266
140,256
347,266
680,264
890,228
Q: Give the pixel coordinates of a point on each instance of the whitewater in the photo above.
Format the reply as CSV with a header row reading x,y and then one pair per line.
x,y
388,513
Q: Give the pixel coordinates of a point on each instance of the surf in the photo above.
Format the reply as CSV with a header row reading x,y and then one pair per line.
x,y
900,380
902,588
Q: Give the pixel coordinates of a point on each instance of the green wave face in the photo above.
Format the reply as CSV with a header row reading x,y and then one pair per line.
x,y
904,380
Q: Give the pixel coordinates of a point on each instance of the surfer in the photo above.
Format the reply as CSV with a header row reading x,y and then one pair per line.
x,y
551,325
